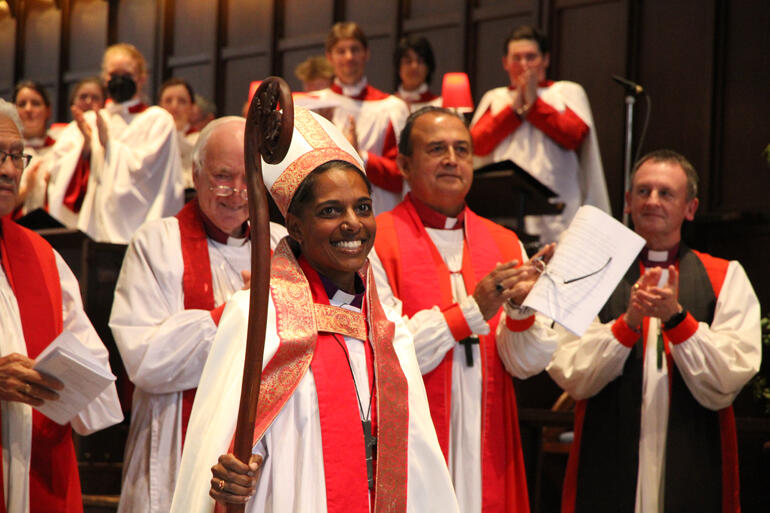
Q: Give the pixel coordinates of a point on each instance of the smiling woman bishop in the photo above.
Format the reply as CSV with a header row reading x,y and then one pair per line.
x,y
343,422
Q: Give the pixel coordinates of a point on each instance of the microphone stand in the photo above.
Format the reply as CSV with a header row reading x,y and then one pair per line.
x,y
630,101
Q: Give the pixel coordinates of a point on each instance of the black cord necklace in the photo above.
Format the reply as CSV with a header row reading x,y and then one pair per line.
x,y
370,441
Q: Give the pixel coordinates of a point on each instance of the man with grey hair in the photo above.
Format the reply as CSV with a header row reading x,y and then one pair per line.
x,y
656,374
39,300
176,278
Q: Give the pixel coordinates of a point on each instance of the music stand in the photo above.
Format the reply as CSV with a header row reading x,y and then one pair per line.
x,y
503,191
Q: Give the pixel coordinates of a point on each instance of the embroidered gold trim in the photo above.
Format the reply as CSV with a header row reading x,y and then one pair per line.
x,y
334,319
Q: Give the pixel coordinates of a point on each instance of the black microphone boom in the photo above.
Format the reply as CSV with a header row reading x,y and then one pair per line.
x,y
631,87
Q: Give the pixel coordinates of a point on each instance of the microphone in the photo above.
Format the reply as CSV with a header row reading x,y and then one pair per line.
x,y
631,87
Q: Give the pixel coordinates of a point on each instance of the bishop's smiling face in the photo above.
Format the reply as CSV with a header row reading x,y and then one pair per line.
x,y
336,228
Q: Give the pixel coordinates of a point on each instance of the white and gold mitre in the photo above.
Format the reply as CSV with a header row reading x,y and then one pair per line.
x,y
315,141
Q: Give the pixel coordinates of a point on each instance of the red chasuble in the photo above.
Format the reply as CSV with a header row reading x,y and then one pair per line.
x,y
30,265
307,340
420,279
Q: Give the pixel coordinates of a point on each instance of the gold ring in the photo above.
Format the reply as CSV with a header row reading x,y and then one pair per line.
x,y
27,388
221,485
636,286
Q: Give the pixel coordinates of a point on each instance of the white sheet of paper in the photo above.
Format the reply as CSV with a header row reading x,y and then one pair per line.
x,y
595,244
69,361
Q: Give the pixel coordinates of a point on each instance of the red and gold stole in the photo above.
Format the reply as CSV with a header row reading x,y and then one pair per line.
x,y
306,341
30,265
419,277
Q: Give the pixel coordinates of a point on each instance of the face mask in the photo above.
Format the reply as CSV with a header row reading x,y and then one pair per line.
x,y
121,88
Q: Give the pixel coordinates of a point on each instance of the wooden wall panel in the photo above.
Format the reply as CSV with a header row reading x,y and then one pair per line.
x,y
88,39
307,19
434,8
194,46
238,75
41,46
742,174
7,53
589,45
302,29
137,23
194,27
249,23
676,68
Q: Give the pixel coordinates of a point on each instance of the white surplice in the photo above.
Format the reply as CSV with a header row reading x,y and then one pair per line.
x,y
102,412
292,476
164,347
577,177
41,164
137,177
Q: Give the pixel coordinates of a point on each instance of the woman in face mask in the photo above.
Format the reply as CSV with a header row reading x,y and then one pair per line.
x,y
131,148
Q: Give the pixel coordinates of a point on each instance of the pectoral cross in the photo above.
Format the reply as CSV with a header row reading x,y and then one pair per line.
x,y
370,444
468,343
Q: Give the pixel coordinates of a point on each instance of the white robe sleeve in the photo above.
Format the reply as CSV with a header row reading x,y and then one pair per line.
x,y
104,411
719,359
582,366
163,346
431,333
214,412
136,177
525,353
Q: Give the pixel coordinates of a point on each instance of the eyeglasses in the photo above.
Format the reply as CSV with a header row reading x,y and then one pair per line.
x,y
20,160
223,191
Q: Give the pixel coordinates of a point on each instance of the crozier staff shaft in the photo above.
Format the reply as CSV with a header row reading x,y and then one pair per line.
x,y
268,135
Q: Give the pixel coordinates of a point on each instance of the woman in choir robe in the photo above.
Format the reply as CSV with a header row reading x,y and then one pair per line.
x,y
343,422
88,94
178,98
34,108
415,64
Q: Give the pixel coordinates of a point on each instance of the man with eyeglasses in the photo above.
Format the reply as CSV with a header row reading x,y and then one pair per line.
x,y
39,299
176,278
457,278
545,127
656,374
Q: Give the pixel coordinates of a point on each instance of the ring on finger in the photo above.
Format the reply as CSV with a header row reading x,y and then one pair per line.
x,y
636,286
499,287
221,485
27,389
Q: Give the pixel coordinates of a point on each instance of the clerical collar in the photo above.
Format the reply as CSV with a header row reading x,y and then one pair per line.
x,y
412,96
653,258
542,83
133,106
215,233
339,296
433,219
350,90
